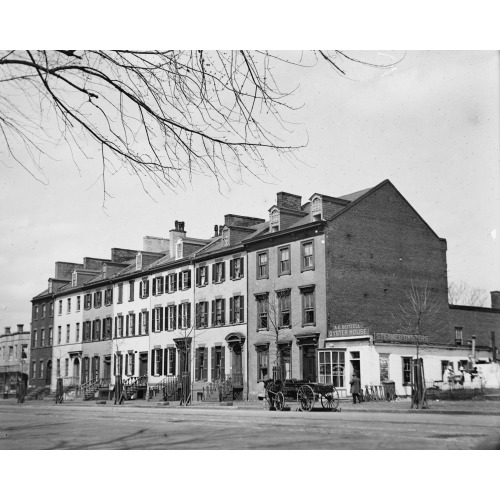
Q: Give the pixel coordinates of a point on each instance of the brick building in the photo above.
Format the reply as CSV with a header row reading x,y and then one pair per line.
x,y
14,360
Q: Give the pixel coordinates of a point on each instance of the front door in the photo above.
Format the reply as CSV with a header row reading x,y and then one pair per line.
x,y
107,368
237,365
309,363
48,374
76,371
143,364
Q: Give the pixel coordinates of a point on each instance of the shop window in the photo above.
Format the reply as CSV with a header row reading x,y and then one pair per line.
x,y
406,361
332,367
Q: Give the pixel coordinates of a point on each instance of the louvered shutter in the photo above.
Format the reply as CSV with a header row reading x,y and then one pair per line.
x,y
165,361
223,312
223,274
242,309
222,362
189,279
161,363
231,268
166,284
174,322
231,310
127,328
177,281
174,364
162,280
166,319
153,320
179,324
114,365
213,312
116,329
126,364
213,363
146,326
153,362
197,276
242,269
160,312
188,321
197,366
140,323
147,288
198,316
205,364
213,273
154,286
132,365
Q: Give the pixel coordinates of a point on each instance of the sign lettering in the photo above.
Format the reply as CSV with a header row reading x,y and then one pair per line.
x,y
348,330
401,337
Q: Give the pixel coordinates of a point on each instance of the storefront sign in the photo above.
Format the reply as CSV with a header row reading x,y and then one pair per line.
x,y
348,330
401,337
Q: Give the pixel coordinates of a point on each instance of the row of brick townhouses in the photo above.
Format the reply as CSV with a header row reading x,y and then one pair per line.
x,y
315,287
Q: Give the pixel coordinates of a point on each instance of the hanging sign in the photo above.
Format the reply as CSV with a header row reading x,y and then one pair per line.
x,y
349,330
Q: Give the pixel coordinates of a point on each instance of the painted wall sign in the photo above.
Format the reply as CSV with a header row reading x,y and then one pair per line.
x,y
348,330
401,337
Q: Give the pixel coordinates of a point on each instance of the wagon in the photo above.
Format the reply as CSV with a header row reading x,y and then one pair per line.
x,y
305,393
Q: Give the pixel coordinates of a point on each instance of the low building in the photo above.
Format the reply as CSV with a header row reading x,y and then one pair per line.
x,y
14,360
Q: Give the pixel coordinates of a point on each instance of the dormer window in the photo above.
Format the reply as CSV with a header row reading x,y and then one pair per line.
x,y
74,278
138,261
316,208
225,237
275,220
51,288
178,249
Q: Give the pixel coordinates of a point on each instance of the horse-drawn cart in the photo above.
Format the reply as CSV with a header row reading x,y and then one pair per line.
x,y
305,393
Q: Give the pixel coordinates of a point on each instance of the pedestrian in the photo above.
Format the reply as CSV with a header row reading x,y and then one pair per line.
x,y
355,388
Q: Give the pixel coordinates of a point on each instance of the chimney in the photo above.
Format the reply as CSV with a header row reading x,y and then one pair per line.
x,y
174,235
220,230
216,231
495,300
288,200
20,327
7,330
474,347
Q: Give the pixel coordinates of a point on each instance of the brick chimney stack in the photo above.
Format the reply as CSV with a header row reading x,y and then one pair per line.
x,y
7,330
216,231
288,200
20,327
495,300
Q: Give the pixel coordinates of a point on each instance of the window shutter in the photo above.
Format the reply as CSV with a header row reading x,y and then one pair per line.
x,y
126,326
161,363
197,314
242,309
114,365
165,361
242,269
147,322
213,312
180,316
140,323
132,365
197,276
166,284
154,286
213,273
126,364
174,362
188,321
222,362
197,365
223,274
177,279
205,364
153,320
141,292
174,322
116,329
223,311
121,364
189,279
162,280
153,362
147,287
206,276
160,312
212,362
231,268
231,310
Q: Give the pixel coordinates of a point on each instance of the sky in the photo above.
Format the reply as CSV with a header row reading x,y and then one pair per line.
x,y
430,125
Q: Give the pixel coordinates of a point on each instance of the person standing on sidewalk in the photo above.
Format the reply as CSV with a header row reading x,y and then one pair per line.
x,y
355,388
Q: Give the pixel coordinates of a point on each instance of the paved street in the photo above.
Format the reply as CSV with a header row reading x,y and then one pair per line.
x,y
97,427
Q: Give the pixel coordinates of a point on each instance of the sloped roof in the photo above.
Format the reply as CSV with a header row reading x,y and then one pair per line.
x,y
356,195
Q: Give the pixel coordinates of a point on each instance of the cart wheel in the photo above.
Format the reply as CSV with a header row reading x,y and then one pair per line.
x,y
279,401
305,398
330,400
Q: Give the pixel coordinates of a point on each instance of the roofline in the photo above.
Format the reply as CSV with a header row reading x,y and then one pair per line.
x,y
474,308
290,230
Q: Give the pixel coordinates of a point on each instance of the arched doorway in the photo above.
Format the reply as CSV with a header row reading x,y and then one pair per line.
x,y
48,373
76,371
235,343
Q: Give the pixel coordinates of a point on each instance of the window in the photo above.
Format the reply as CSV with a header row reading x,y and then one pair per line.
x,y
218,312
87,301
170,369
236,309
332,368
308,312
96,329
262,362
218,272
118,363
157,362
218,363
86,331
78,303
33,369
97,299
225,238
51,335
236,268
459,336
185,280
42,337
60,307
307,261
120,293
11,353
262,267
202,315
40,372
43,311
131,324
66,367
157,322
119,326
202,276
284,308
275,220
108,328
201,364
184,315
172,282
131,291
171,312
444,366
262,312
284,260
130,364
74,278
59,335
35,338
462,364
108,296
77,339
138,262
69,306
144,288
285,361
158,285
35,313
143,322
316,209
406,370
51,309
58,367
67,333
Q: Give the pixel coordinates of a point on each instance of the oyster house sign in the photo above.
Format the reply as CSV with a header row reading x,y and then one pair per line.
x,y
348,330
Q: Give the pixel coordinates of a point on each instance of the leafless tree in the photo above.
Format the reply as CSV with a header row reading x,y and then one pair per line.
x,y
466,295
164,115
